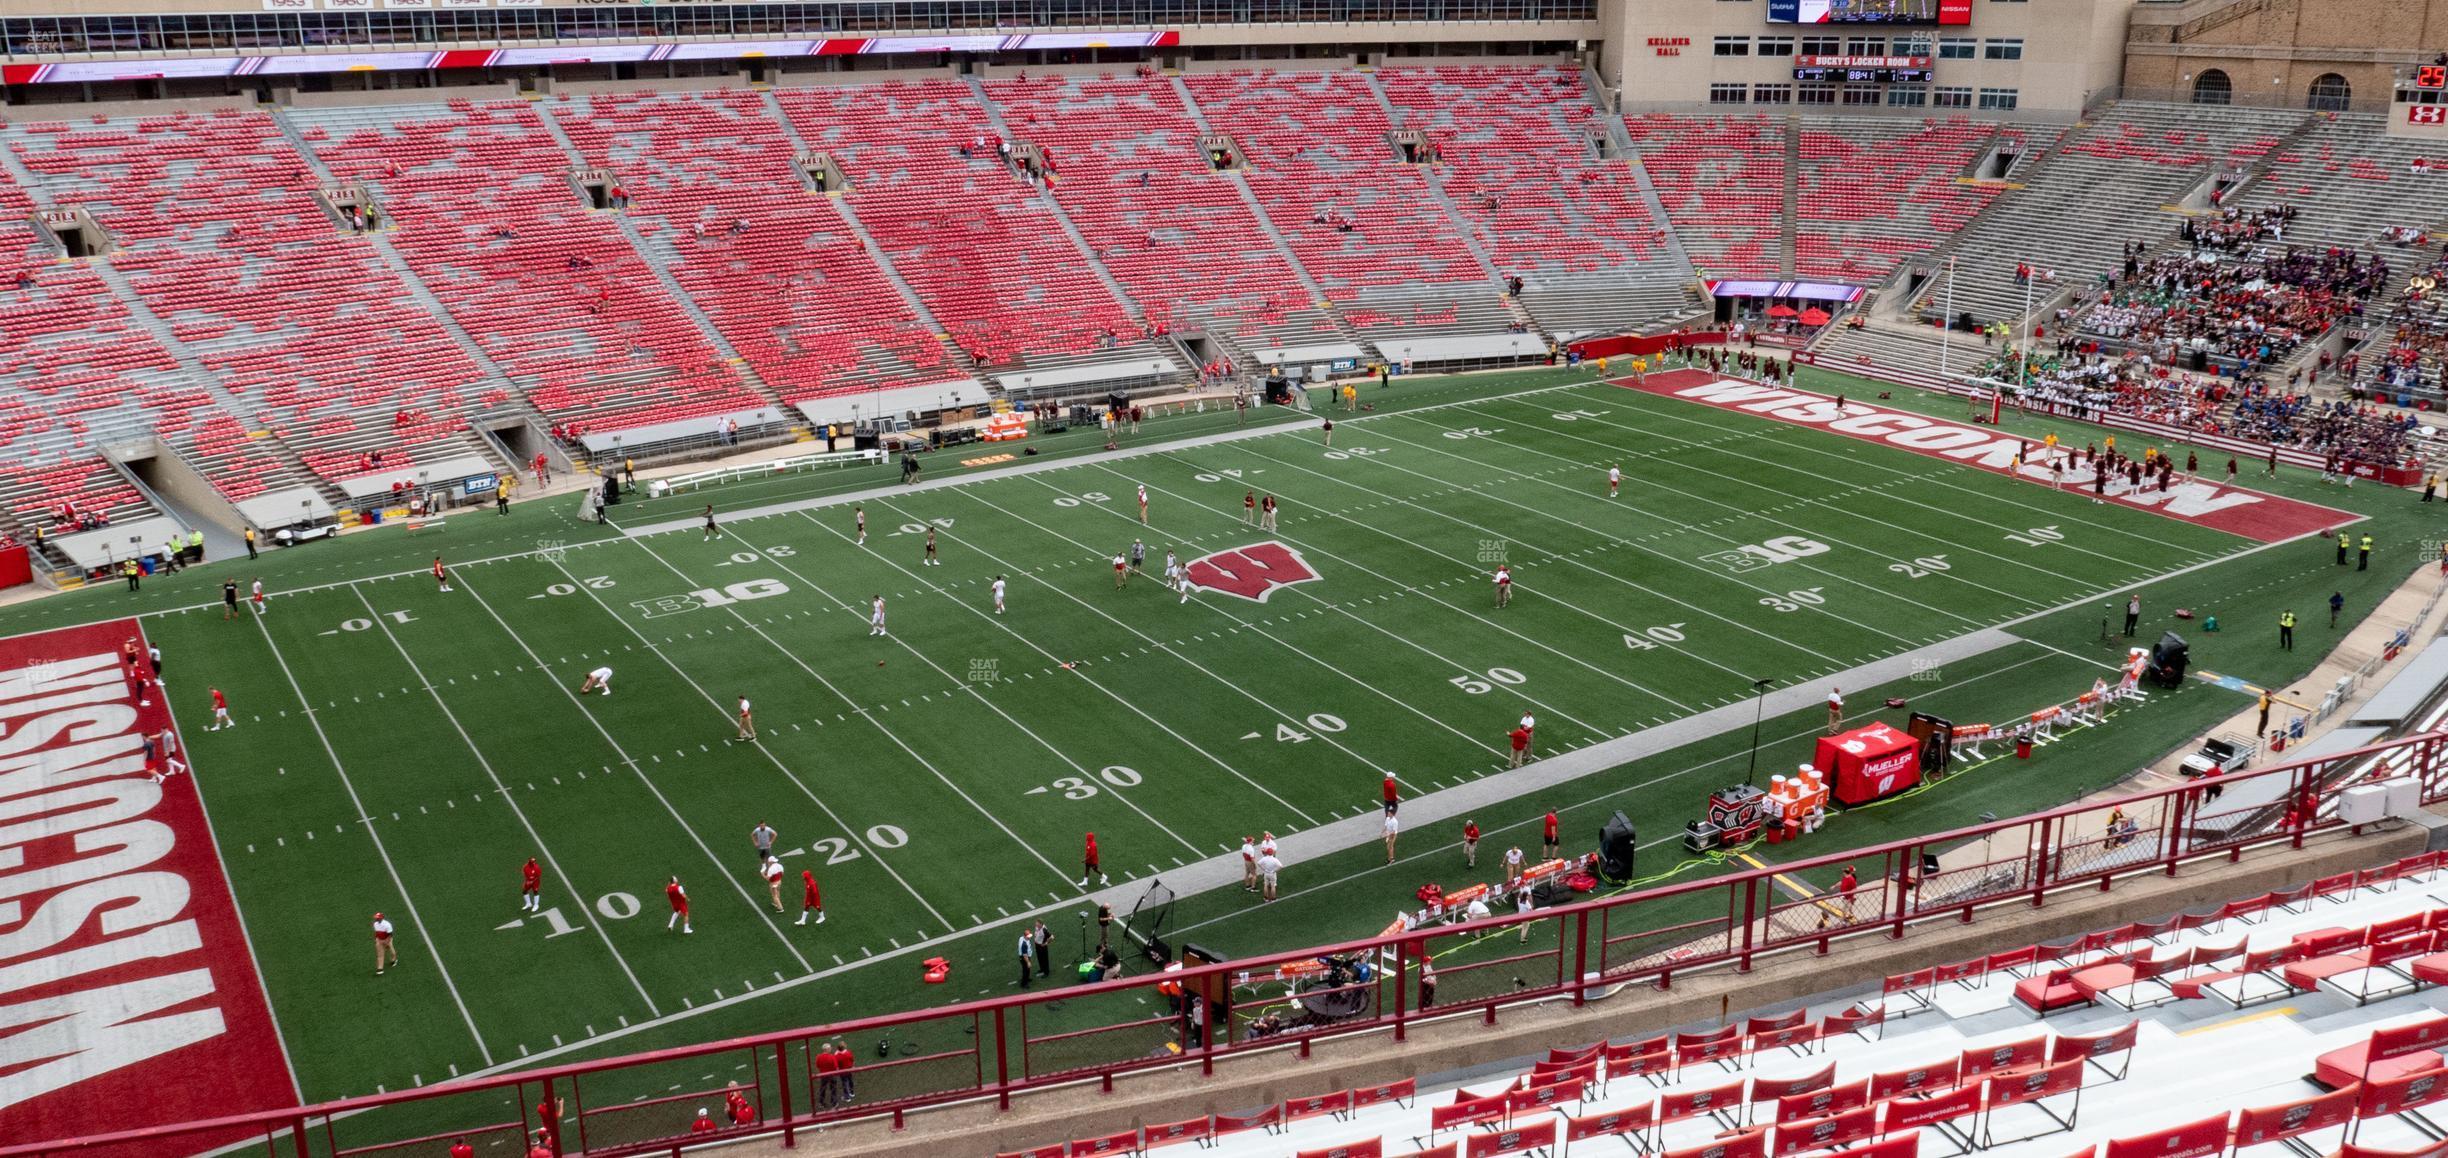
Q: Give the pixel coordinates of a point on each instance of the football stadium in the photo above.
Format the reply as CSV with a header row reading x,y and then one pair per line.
x,y
1269,577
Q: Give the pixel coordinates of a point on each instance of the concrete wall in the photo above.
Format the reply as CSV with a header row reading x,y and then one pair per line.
x,y
2272,50
171,477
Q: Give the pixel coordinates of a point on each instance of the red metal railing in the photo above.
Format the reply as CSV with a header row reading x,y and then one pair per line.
x,y
998,1047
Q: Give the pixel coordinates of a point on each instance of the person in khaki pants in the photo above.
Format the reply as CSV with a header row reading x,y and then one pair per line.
x,y
1835,710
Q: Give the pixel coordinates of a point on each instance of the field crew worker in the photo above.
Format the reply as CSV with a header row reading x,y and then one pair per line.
x,y
2341,548
2286,630
2364,563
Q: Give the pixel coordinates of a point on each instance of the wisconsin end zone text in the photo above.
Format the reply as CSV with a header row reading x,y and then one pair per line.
x,y
128,996
2256,515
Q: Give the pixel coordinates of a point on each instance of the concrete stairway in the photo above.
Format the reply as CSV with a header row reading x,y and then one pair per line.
x,y
1169,344
660,258
1053,205
841,204
1266,225
1788,228
1621,144
1436,189
495,378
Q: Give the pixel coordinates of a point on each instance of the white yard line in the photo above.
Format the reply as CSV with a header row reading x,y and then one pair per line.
x,y
1124,701
229,888
1579,763
1226,869
1168,649
849,833
1217,606
1266,706
1311,547
314,720
507,796
973,693
1423,649
629,761
1807,446
1823,503
1698,529
878,494
1661,596
1489,833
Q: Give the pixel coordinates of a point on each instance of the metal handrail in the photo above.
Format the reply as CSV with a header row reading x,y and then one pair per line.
x,y
2057,855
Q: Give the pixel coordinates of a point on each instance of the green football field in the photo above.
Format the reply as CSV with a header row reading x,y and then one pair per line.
x,y
405,749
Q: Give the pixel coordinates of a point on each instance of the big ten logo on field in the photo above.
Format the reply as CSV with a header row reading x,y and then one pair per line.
x,y
1253,572
1492,551
982,671
1753,556
704,597
1925,671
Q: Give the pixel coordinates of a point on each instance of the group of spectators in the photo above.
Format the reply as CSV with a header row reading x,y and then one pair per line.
x,y
2418,341
2350,431
67,516
2237,229
2082,381
2251,306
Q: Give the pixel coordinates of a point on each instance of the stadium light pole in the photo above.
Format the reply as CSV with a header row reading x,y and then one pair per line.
x,y
2023,365
1946,321
1759,710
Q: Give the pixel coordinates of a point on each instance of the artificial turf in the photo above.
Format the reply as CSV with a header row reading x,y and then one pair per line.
x,y
406,749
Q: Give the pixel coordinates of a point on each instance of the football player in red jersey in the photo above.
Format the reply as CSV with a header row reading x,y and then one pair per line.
x,y
813,900
679,906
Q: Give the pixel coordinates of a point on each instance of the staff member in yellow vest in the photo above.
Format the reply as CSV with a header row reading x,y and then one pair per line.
x,y
2363,563
2342,544
2286,630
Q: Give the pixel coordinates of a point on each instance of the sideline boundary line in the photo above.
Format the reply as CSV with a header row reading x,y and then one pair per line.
x,y
229,886
883,493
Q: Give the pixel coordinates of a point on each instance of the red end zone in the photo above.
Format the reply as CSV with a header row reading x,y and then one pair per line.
x,y
128,996
2252,514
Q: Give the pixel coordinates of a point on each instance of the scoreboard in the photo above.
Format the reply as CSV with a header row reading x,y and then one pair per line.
x,y
1863,69
2419,110
1906,12
1865,75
